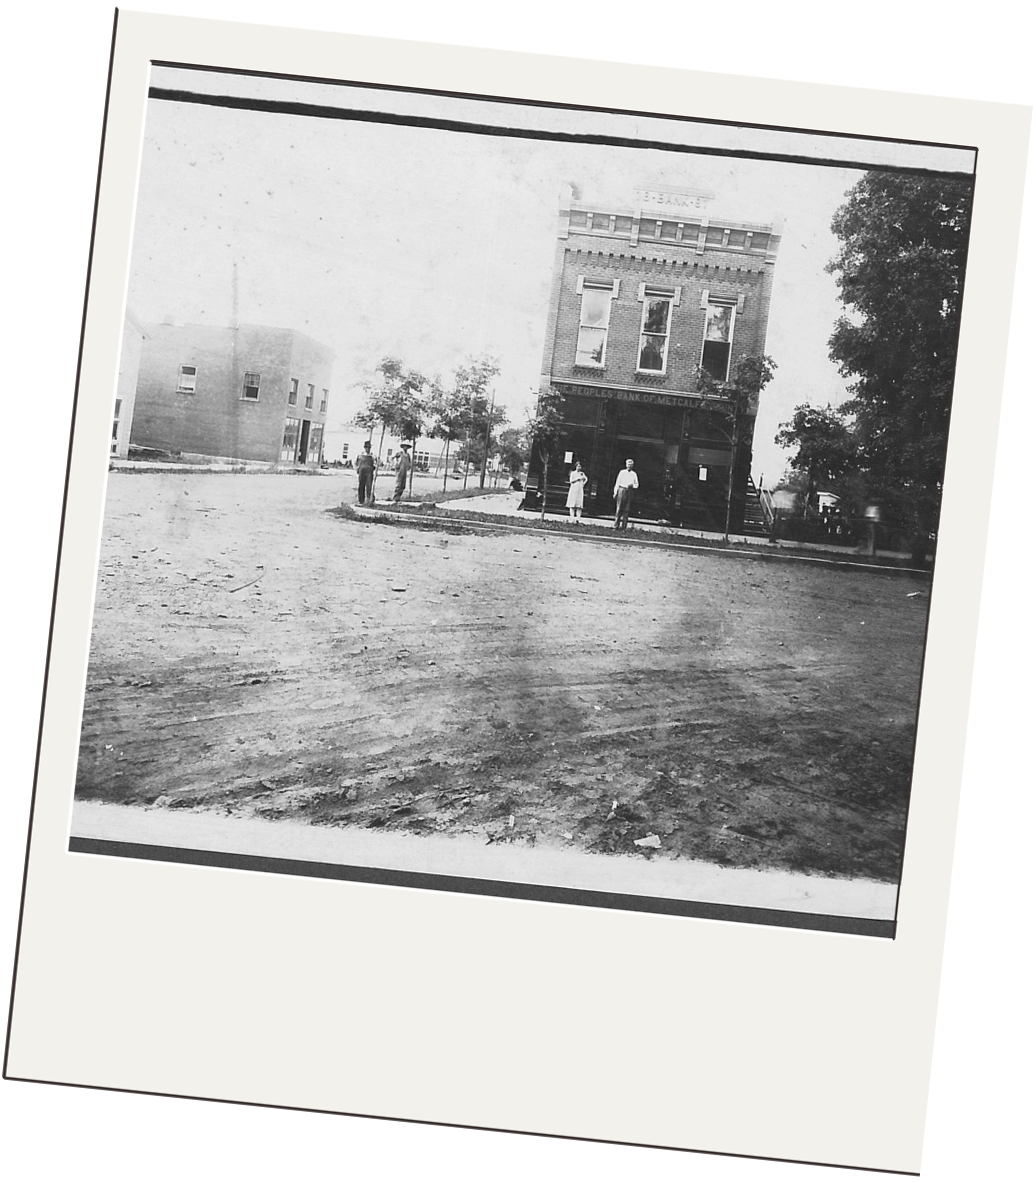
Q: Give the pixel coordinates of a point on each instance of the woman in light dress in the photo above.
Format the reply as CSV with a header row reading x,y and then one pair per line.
x,y
576,480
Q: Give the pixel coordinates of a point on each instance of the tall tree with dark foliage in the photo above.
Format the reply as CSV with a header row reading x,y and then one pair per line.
x,y
900,274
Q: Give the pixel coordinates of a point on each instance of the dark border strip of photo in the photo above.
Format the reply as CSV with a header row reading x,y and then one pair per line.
x,y
502,889
546,104
434,123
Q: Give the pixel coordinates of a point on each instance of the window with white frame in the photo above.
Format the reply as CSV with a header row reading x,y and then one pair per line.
x,y
316,444
250,389
324,395
655,326
293,392
290,442
594,315
422,460
187,380
719,333
310,395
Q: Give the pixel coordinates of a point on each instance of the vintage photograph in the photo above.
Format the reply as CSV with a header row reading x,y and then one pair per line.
x,y
529,500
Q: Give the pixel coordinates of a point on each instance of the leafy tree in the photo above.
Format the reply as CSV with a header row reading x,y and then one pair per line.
x,y
544,432
826,444
748,376
448,417
514,448
397,402
471,384
900,274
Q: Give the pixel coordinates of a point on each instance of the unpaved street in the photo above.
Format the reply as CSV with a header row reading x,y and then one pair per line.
x,y
255,654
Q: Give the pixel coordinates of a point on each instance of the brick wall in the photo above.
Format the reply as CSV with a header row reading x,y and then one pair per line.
x,y
216,419
133,336
724,274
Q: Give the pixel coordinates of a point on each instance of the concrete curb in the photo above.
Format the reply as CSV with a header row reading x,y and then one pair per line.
x,y
629,539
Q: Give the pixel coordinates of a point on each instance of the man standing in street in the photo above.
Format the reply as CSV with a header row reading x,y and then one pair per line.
x,y
402,470
625,483
364,474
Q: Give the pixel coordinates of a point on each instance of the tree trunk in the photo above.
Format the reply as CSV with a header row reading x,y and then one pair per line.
x,y
485,449
546,473
413,462
730,482
377,466
446,469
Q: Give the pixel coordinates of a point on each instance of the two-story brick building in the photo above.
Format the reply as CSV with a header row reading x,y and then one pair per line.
x,y
642,298
247,393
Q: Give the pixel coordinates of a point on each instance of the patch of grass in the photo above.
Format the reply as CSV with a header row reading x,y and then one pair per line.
x,y
411,521
532,521
589,527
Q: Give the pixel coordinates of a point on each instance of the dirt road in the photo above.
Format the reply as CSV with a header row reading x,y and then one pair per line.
x,y
253,653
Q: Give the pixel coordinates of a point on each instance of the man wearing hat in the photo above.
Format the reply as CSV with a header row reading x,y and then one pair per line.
x,y
364,474
402,470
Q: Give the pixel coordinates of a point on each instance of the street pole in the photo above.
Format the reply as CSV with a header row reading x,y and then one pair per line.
x,y
467,444
730,482
377,466
485,449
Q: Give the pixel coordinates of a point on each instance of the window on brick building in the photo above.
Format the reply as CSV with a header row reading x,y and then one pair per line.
x,y
310,393
719,332
290,443
251,387
187,380
594,314
323,401
654,331
293,392
316,443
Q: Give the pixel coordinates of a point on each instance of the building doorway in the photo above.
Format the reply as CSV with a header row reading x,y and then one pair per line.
x,y
648,456
300,456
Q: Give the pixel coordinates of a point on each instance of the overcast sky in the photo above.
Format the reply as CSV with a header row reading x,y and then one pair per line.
x,y
435,246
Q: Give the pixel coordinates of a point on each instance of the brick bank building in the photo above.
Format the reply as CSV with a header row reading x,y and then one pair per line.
x,y
642,297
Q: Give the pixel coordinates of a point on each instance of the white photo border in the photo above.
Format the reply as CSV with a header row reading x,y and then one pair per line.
x,y
818,1017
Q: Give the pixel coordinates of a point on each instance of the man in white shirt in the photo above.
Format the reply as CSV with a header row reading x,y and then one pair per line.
x,y
402,470
625,483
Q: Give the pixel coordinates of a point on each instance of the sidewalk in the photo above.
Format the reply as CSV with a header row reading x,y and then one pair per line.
x,y
504,506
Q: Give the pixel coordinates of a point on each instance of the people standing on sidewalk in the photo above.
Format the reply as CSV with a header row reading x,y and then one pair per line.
x,y
576,480
402,470
625,483
364,474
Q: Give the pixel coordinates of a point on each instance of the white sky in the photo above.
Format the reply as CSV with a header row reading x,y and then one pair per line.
x,y
434,245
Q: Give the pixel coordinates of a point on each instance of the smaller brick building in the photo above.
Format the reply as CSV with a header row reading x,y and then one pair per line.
x,y
247,393
644,296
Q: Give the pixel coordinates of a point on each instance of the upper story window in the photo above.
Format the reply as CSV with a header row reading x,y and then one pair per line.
x,y
251,387
293,392
594,314
655,325
324,394
187,380
310,392
719,333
